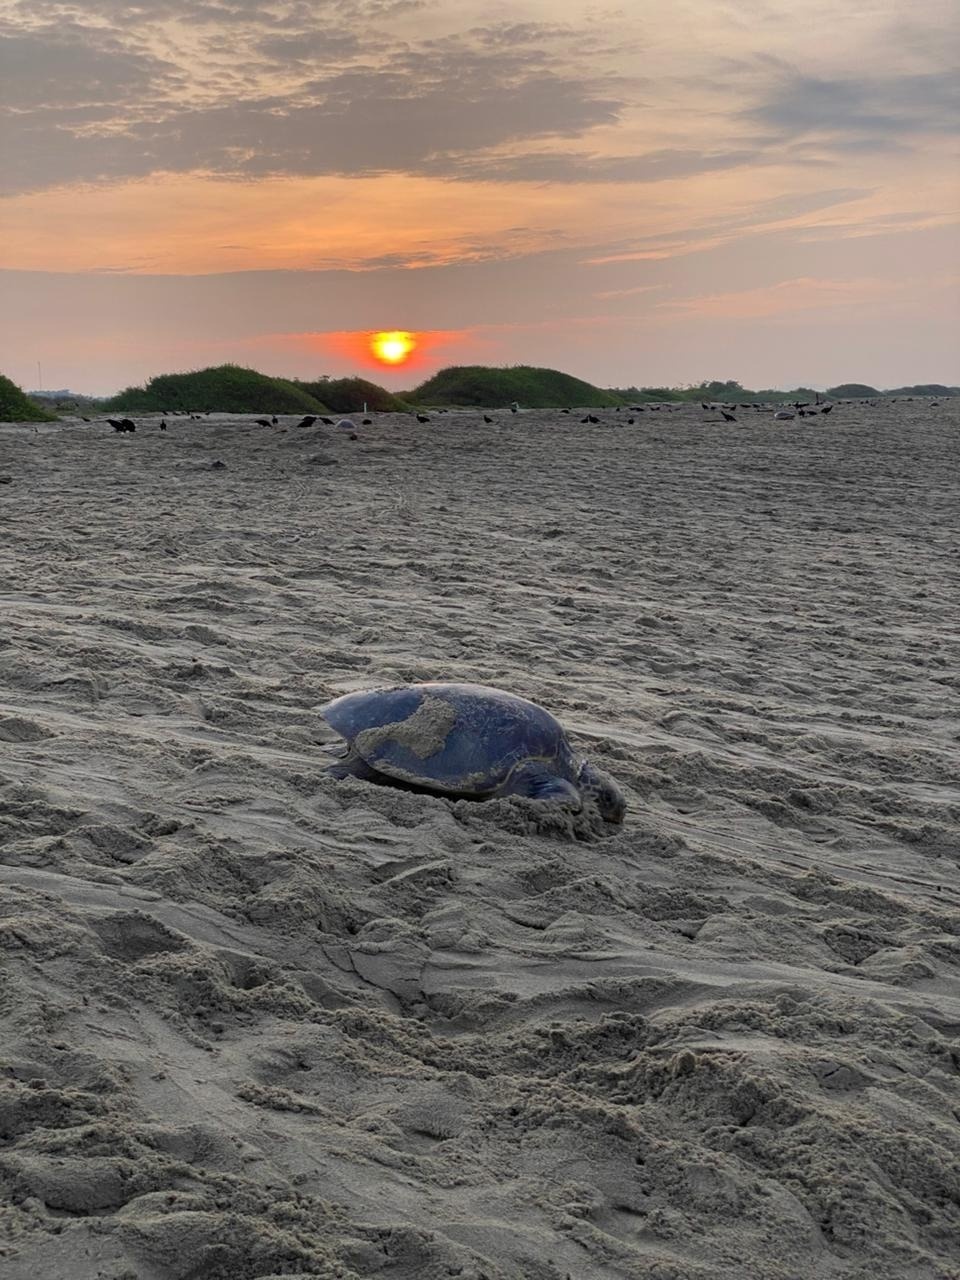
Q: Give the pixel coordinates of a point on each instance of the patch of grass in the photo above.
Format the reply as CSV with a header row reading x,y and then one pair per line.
x,y
225,388
15,406
482,386
349,395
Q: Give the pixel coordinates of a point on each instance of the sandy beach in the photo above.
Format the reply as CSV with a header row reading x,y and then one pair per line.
x,y
256,1022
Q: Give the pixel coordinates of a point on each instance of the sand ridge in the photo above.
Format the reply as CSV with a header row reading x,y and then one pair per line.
x,y
257,1022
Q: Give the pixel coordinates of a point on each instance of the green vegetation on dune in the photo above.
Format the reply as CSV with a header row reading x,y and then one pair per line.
x,y
17,407
852,391
714,392
225,388
481,386
349,395
924,389
231,388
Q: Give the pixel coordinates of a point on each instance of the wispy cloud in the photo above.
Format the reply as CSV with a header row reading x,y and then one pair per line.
x,y
786,297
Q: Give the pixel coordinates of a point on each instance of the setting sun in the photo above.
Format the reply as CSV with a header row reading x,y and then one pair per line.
x,y
392,348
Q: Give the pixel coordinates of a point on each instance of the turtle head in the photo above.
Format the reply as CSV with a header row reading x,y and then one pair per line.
x,y
601,790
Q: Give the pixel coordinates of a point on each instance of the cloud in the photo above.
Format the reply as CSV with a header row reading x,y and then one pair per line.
x,y
786,297
757,217
574,166
351,104
869,111
68,67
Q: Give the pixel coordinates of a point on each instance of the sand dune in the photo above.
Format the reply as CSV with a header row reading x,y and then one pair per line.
x,y
258,1023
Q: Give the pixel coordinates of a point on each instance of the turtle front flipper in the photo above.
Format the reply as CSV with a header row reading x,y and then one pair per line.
x,y
351,766
539,782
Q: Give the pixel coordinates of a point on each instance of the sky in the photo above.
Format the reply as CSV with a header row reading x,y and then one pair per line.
x,y
636,193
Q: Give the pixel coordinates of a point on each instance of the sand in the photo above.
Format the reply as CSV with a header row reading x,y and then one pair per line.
x,y
257,1022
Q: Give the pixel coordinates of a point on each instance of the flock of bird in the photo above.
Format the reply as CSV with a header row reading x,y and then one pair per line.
x,y
121,425
728,413
802,409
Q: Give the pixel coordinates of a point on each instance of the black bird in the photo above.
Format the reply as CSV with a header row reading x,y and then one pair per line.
x,y
368,422
727,417
163,426
487,418
564,410
263,422
592,418
826,408
308,421
327,422
84,419
124,424
585,419
631,421
274,420
704,406
422,417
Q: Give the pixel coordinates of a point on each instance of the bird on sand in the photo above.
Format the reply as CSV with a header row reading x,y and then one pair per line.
x,y
263,422
327,422
727,417
422,417
163,426
308,421
124,424
827,408
488,419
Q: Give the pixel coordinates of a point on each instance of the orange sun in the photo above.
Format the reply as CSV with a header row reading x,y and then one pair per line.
x,y
392,348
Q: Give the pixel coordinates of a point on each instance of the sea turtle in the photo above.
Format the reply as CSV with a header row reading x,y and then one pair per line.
x,y
465,740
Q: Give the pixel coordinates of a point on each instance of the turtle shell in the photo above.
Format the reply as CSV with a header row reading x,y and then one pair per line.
x,y
464,739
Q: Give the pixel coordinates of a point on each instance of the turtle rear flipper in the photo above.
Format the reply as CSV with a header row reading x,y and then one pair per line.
x,y
539,782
